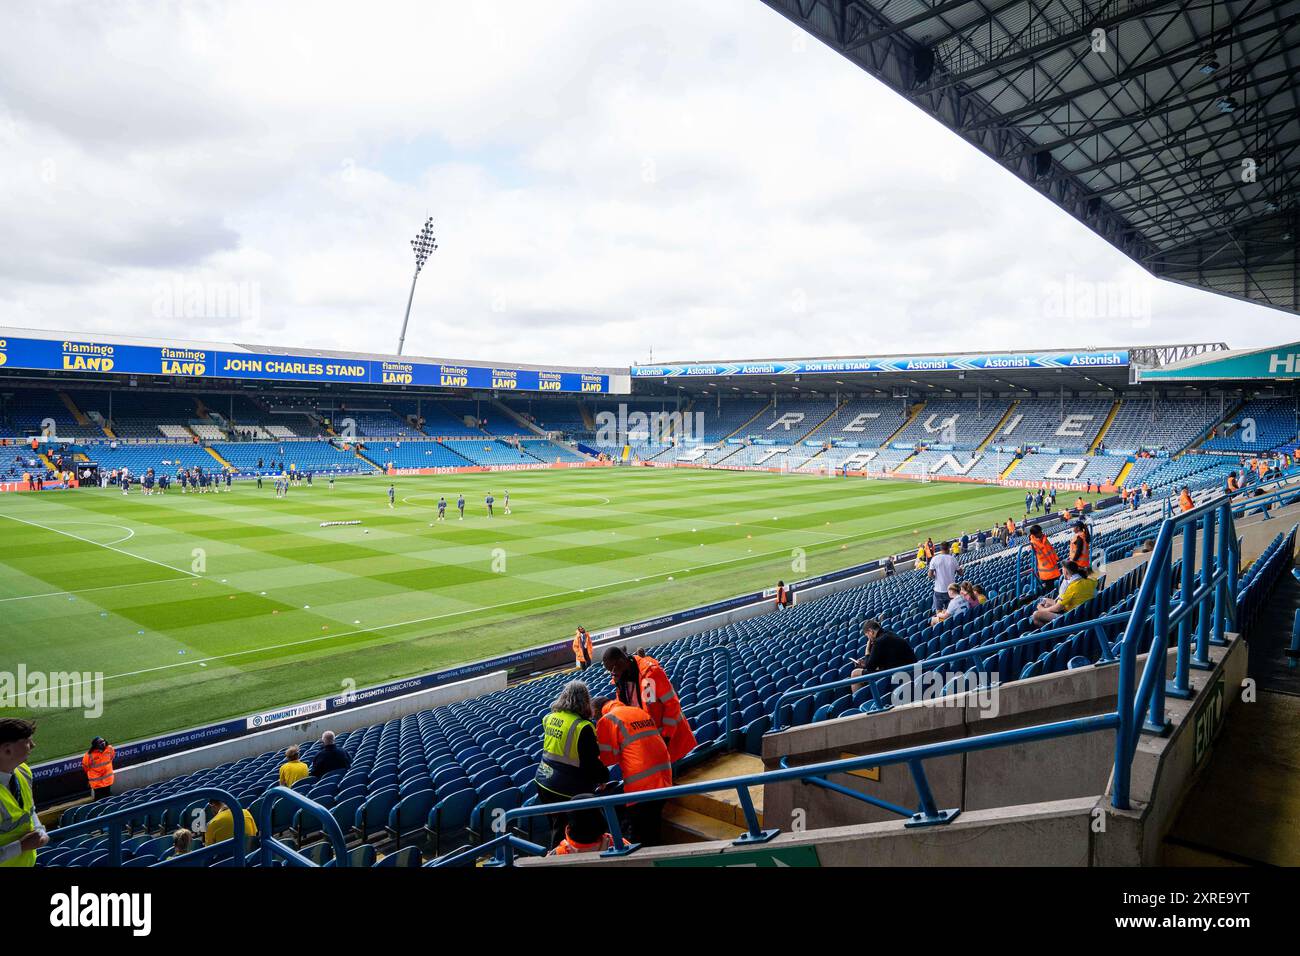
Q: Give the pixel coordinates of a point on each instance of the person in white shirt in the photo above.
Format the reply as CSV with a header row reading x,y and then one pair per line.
x,y
943,572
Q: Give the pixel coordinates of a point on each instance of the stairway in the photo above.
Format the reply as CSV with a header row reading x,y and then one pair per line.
x,y
747,423
1244,807
917,409
822,424
372,464
712,816
1002,423
71,406
1105,426
518,419
1205,435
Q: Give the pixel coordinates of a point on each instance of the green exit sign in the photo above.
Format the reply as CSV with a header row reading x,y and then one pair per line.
x,y
1208,720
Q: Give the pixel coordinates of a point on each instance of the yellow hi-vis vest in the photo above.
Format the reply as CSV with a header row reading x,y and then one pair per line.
x,y
560,732
17,819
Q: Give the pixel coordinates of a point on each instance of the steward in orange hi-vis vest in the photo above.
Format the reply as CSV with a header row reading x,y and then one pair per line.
x,y
1048,561
641,682
629,738
98,764
570,845
1185,500
582,648
1081,546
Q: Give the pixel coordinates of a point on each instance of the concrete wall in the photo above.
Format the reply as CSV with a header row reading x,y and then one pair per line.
x,y
165,768
1052,770
1165,768
1048,834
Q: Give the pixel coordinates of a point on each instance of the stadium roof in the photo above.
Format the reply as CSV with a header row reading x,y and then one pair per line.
x,y
1280,363
1169,128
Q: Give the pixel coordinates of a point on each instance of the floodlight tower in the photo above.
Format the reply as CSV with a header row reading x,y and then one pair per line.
x,y
423,245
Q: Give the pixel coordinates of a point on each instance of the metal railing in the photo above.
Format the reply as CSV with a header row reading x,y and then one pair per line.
x,y
112,824
272,849
928,815
505,843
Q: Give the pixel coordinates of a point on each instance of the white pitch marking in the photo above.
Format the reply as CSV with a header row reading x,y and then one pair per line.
x,y
102,524
78,537
106,587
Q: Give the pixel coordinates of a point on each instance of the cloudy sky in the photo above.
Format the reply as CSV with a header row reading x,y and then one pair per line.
x,y
607,179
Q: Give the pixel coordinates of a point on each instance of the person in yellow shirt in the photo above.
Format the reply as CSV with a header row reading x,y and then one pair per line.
x,y
221,824
293,769
1078,588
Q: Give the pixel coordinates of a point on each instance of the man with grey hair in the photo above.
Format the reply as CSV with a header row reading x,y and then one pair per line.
x,y
329,757
570,764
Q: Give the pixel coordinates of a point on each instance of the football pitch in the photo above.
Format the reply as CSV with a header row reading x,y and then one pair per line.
x,y
197,608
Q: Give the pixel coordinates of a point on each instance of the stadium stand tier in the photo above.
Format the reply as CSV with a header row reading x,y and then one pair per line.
x,y
1263,424
310,456
1163,425
1056,423
962,423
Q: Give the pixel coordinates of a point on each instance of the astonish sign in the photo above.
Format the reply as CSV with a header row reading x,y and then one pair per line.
x,y
900,363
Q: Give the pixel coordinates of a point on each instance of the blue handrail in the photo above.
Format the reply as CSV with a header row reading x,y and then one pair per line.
x,y
979,650
754,833
468,855
1141,704
272,848
111,824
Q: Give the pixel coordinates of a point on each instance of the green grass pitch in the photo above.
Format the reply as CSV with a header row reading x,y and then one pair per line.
x,y
271,609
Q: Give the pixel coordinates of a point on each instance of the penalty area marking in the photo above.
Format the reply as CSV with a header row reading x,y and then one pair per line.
x,y
97,544
102,524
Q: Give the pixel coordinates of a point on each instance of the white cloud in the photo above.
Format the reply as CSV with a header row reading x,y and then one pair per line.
x,y
604,177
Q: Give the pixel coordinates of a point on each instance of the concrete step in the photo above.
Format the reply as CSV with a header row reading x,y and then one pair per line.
x,y
715,816
681,825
